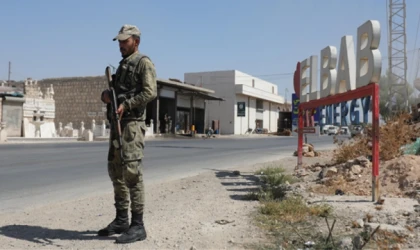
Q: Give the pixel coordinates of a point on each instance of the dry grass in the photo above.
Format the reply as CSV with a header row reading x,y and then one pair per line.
x,y
348,151
292,210
270,170
286,217
396,133
291,221
274,184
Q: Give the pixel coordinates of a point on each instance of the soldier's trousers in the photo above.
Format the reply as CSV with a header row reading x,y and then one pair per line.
x,y
127,179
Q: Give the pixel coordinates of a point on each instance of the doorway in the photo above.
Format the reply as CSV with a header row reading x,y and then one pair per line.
x,y
166,107
182,123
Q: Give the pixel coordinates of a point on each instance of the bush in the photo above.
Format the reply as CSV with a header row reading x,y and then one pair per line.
x,y
396,133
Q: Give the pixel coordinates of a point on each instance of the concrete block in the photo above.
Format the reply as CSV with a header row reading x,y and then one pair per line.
x,y
88,135
3,132
3,136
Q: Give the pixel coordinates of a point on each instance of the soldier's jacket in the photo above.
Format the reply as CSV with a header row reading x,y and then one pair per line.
x,y
135,86
138,78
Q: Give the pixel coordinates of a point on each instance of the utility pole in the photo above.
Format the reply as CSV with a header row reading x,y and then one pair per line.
x,y
397,57
10,71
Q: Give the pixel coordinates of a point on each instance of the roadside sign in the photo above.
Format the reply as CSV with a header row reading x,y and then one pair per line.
x,y
241,109
309,130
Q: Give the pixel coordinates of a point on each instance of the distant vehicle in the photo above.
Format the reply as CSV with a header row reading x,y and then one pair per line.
x,y
325,128
333,130
344,130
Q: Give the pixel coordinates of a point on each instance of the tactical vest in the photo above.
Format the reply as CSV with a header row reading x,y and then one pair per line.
x,y
127,84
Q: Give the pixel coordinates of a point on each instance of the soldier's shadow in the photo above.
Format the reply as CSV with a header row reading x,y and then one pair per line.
x,y
46,236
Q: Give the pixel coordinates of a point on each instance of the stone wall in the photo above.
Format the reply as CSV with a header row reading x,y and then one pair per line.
x,y
77,99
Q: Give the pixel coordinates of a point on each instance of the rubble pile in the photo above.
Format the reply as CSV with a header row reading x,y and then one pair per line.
x,y
399,177
350,169
308,151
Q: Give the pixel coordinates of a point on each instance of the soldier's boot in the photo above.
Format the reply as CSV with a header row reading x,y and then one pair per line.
x,y
136,232
117,226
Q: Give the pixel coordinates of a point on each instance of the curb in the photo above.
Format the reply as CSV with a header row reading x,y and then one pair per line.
x,y
40,140
147,138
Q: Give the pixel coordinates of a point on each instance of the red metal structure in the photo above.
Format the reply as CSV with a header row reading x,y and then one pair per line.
x,y
370,90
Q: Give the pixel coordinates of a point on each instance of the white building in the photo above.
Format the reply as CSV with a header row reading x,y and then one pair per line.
x,y
262,103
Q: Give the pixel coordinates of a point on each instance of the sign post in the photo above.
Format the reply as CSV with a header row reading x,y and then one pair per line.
x,y
241,109
356,77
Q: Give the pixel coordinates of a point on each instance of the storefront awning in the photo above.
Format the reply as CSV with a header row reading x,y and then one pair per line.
x,y
183,86
204,96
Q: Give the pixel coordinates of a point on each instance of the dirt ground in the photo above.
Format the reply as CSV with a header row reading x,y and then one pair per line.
x,y
347,187
201,212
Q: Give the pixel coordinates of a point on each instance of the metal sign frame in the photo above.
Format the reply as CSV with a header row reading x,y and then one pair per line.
x,y
370,90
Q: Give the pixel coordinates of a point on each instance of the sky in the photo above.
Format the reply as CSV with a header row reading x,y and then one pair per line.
x,y
266,38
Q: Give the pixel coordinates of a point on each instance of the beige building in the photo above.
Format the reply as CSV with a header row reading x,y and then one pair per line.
x,y
250,102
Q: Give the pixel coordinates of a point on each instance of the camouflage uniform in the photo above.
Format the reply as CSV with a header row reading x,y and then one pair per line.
x,y
135,86
127,179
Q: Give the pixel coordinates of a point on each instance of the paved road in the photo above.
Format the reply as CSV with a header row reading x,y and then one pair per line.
x,y
34,174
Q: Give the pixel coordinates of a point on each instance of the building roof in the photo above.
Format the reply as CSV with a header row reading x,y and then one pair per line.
x,y
179,85
11,91
198,91
204,96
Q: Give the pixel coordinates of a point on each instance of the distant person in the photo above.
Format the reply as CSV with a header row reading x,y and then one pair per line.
x,y
135,86
210,132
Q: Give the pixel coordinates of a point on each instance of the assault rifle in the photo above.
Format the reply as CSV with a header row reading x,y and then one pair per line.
x,y
115,117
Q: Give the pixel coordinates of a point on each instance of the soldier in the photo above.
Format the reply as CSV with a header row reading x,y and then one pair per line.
x,y
135,86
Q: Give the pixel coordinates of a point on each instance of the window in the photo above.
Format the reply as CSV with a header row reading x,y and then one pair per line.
x,y
253,83
260,105
272,89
